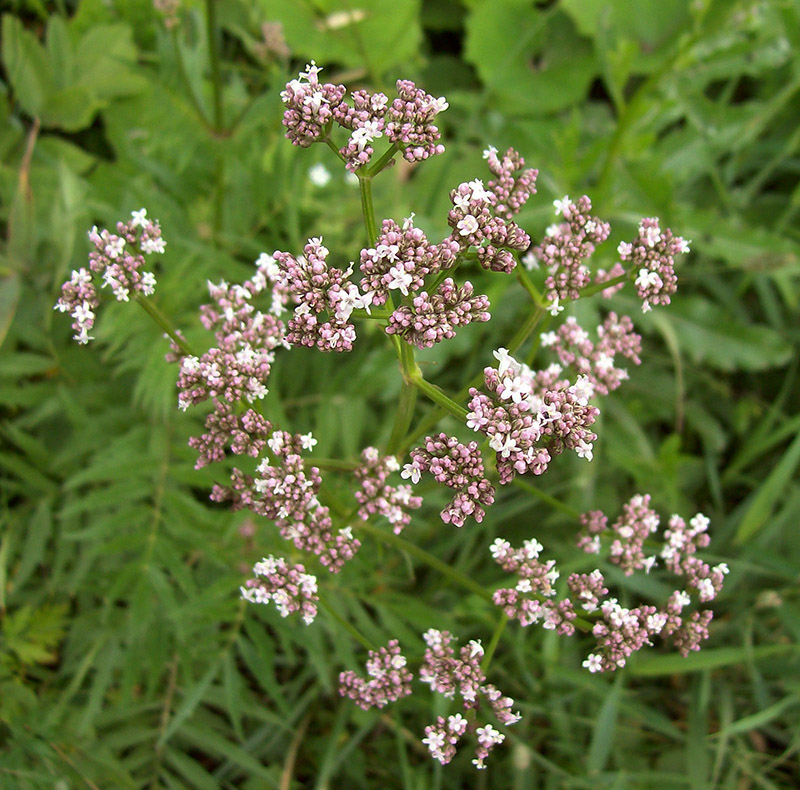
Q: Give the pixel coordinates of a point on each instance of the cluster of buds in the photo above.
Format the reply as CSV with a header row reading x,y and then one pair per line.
x,y
118,261
401,259
286,492
619,631
567,246
595,361
481,217
530,601
430,319
458,466
377,497
238,367
319,289
652,254
389,679
529,417
407,122
289,587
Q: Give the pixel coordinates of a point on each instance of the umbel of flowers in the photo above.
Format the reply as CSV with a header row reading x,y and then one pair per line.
x,y
519,421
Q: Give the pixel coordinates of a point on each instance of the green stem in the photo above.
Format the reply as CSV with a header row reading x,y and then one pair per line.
x,y
164,323
594,288
550,500
437,396
384,160
332,146
213,52
397,542
349,627
405,413
365,184
489,654
528,285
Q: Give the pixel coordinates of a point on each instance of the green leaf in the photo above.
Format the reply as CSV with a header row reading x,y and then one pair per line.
x,y
27,66
530,61
709,335
708,658
769,492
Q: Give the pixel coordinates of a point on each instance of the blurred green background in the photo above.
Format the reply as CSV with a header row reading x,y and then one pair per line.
x,y
126,658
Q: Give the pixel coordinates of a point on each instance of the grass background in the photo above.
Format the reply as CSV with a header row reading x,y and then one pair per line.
x,y
126,660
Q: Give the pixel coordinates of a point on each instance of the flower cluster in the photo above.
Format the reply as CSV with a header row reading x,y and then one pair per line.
x,y
309,106
238,367
401,259
430,319
530,601
567,245
458,466
289,587
530,416
407,122
481,217
619,631
446,674
286,492
389,679
595,361
317,288
449,675
118,260
652,254
376,497
245,434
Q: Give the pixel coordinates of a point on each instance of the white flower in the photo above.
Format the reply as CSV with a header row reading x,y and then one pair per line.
x,y
319,175
560,205
594,663
683,244
648,279
139,218
352,299
532,548
499,548
624,249
114,247
651,235
307,441
411,471
366,134
530,261
548,339
478,191
148,283
475,648
489,151
488,736
457,723
408,222
400,279
555,308
153,245
468,225
507,362
346,533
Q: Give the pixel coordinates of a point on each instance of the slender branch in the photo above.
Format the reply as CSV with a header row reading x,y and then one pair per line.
x,y
591,290
405,413
164,323
411,548
528,285
365,184
349,627
383,162
327,140
498,632
433,392
550,500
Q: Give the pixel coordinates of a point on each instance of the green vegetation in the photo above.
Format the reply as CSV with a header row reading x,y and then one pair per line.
x,y
127,659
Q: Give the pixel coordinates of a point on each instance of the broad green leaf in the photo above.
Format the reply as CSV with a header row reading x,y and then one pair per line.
x,y
532,62
27,66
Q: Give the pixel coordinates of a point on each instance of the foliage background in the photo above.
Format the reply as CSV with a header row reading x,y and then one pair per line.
x,y
126,659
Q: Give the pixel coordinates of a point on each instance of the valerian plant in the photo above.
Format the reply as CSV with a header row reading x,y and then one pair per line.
x,y
521,417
